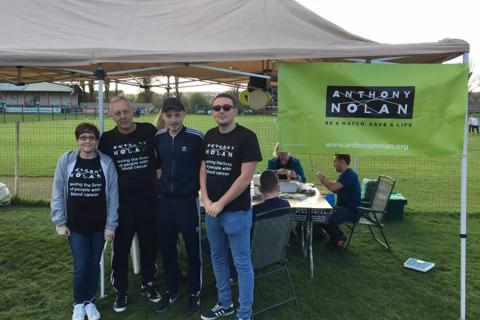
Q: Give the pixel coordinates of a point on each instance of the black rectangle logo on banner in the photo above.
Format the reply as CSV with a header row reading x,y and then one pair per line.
x,y
370,102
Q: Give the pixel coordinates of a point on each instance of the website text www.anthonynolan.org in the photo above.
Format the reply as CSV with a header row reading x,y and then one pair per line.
x,y
367,146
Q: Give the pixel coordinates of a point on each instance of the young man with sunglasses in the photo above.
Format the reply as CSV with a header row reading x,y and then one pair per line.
x,y
231,154
179,153
131,146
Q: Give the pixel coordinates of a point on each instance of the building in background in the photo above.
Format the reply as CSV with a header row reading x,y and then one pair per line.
x,y
38,98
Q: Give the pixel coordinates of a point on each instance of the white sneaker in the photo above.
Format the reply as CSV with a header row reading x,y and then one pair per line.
x,y
78,312
92,312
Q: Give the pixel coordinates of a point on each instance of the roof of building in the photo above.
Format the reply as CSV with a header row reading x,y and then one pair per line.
x,y
36,87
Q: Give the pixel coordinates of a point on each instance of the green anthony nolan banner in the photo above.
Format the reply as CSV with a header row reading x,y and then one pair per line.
x,y
366,109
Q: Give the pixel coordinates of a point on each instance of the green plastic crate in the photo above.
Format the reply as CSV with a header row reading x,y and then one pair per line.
x,y
395,207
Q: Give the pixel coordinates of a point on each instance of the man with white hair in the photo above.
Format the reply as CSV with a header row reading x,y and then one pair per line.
x,y
131,146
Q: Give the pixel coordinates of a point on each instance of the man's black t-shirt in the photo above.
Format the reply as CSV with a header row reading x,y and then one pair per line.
x,y
86,201
134,158
224,155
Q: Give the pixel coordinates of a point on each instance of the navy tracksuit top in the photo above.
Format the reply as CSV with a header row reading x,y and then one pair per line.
x,y
179,158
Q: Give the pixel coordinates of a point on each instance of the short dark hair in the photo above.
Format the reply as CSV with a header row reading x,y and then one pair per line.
x,y
344,157
268,181
86,127
225,95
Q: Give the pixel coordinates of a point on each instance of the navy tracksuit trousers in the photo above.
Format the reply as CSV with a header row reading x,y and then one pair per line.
x,y
172,218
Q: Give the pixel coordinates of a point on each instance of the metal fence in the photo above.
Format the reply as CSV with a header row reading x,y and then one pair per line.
x,y
429,183
65,114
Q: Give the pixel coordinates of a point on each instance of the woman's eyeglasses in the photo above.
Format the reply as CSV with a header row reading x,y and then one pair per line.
x,y
225,107
85,138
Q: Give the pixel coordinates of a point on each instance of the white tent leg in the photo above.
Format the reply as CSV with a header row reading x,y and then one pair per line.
x,y
101,76
463,215
135,252
102,272
100,106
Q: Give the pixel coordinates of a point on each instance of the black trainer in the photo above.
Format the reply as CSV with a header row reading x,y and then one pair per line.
x,y
150,292
193,306
216,312
340,243
120,304
168,299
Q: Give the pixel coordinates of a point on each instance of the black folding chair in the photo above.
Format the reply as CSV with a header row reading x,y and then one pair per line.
x,y
371,213
271,234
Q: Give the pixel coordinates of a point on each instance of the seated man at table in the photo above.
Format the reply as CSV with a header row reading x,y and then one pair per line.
x,y
286,166
347,189
269,188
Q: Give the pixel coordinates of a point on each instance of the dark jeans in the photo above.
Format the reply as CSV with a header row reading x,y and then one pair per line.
x,y
171,219
143,226
86,251
339,216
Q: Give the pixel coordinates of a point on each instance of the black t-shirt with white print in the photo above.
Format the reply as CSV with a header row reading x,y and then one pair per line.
x,y
135,161
86,201
224,155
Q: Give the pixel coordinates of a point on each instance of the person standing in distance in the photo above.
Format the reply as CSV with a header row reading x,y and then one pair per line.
x,y
131,146
179,152
231,155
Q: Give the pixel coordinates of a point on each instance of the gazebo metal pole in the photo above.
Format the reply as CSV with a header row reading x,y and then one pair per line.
x,y
463,214
100,74
101,78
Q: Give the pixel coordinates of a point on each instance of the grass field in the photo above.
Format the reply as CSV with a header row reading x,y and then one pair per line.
x,y
429,183
41,143
365,282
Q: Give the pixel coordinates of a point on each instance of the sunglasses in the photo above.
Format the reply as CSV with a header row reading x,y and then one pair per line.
x,y
225,107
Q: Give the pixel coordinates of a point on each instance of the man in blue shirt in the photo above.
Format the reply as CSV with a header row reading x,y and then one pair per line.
x,y
270,189
348,192
179,153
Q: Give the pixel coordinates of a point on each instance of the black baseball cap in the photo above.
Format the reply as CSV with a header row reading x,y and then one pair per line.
x,y
172,103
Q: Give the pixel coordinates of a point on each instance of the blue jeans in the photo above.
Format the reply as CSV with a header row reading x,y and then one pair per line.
x,y
234,226
339,216
86,251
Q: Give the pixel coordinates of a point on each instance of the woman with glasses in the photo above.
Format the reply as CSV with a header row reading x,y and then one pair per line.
x,y
84,209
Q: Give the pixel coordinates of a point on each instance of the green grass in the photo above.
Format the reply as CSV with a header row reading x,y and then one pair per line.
x,y
40,117
429,183
41,143
364,283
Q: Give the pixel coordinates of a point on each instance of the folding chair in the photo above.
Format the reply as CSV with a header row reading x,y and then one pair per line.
x,y
271,234
371,213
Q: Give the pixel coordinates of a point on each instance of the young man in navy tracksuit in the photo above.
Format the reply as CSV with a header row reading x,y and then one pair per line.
x,y
179,151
